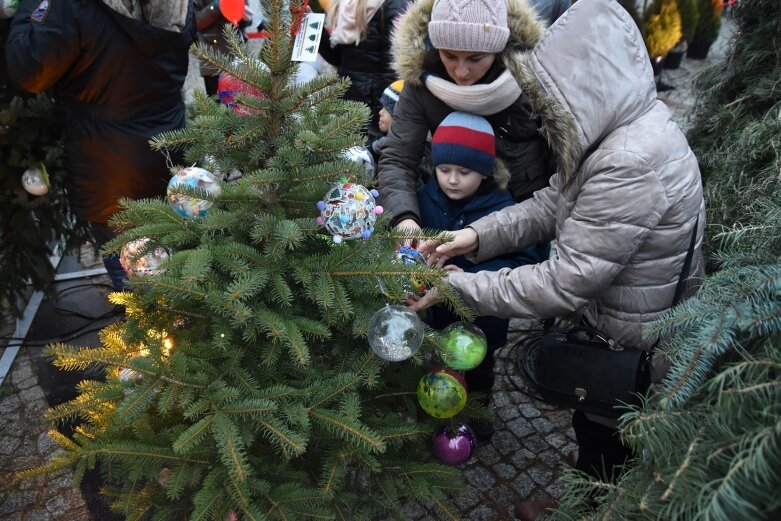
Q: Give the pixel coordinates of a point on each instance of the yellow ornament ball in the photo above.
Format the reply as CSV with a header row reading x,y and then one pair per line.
x,y
441,395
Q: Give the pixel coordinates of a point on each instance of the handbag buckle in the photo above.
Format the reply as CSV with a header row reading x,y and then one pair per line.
x,y
613,345
580,393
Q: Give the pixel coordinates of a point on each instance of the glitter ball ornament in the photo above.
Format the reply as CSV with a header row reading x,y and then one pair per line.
x,y
228,87
441,395
349,211
35,180
137,259
395,333
454,445
362,156
189,206
8,8
463,346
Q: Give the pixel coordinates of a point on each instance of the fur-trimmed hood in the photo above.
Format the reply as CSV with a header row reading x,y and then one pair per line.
x,y
587,77
410,39
170,15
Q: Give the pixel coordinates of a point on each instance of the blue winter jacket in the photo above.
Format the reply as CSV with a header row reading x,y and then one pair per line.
x,y
438,212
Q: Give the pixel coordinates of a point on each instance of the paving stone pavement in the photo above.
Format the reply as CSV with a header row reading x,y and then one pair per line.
x,y
523,460
25,444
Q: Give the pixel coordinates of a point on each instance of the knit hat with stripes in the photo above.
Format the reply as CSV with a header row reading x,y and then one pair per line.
x,y
465,140
391,95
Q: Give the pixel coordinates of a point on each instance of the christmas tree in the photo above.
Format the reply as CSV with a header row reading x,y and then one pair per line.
x,y
241,384
30,225
710,439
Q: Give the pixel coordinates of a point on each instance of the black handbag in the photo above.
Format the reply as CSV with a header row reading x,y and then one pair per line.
x,y
583,368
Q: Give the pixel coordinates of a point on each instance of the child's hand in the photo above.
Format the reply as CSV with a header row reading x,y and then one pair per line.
x,y
430,298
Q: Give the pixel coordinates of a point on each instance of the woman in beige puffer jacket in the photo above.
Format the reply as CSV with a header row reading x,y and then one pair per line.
x,y
622,205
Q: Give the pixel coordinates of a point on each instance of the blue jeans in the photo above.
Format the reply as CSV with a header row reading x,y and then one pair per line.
x,y
116,273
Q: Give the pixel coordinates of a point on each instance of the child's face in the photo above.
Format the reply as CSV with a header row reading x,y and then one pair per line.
x,y
458,182
386,120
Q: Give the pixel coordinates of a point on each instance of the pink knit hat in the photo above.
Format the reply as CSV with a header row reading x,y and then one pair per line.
x,y
469,25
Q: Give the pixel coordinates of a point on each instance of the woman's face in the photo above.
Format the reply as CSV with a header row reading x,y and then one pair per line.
x,y
464,67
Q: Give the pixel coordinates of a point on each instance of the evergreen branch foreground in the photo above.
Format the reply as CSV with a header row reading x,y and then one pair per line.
x,y
241,381
708,442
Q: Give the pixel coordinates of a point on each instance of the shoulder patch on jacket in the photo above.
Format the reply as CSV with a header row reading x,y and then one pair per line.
x,y
40,13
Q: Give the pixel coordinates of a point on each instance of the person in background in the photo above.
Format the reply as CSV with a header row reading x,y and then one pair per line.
x,y
210,24
462,55
114,90
357,40
550,10
463,153
623,206
388,101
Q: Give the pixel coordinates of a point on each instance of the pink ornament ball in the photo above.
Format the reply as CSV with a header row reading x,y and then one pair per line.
x,y
454,446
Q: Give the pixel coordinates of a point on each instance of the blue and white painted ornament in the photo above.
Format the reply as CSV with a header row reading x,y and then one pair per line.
x,y
349,211
192,178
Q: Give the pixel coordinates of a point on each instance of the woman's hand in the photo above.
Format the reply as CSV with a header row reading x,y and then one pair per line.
x,y
437,252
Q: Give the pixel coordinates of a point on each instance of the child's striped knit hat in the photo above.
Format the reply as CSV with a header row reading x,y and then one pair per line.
x,y
465,140
391,95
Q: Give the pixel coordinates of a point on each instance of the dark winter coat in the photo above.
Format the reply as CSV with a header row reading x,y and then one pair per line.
x,y
211,24
438,212
368,64
117,81
519,146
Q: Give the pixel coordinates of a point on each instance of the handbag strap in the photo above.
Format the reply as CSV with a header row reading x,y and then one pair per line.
x,y
687,264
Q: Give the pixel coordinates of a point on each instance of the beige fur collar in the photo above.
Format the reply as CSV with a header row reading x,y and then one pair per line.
x,y
170,15
409,38
409,51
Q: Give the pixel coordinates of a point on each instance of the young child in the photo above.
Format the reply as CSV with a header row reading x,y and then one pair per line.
x,y
388,101
463,153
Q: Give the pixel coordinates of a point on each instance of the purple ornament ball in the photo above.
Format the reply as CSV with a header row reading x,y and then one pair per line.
x,y
454,446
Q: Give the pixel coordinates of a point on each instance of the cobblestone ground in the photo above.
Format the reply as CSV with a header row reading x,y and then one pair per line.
x,y
522,460
25,444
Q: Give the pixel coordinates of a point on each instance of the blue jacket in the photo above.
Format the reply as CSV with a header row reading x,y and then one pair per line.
x,y
438,212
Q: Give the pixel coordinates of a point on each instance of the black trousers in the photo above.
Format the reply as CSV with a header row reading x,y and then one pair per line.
x,y
210,82
481,378
600,451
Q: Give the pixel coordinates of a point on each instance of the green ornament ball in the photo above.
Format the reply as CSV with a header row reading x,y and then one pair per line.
x,y
463,346
441,395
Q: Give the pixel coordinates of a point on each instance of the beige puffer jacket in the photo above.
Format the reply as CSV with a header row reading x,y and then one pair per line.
x,y
625,197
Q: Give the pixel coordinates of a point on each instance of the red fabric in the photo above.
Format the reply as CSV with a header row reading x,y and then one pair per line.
x,y
465,136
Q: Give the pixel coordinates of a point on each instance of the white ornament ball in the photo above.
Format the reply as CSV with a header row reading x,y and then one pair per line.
x,y
193,178
362,156
136,259
395,333
8,8
35,181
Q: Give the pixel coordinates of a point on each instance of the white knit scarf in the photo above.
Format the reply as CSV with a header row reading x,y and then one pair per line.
x,y
483,99
344,31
